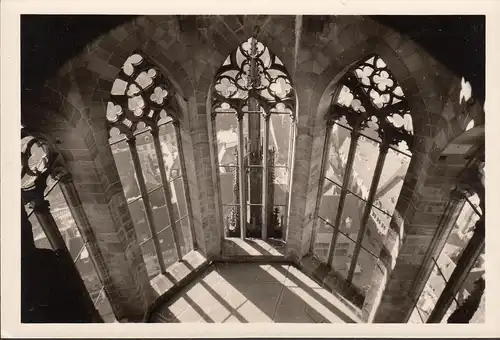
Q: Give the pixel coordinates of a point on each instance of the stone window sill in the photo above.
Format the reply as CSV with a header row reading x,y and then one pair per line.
x,y
236,249
176,277
326,277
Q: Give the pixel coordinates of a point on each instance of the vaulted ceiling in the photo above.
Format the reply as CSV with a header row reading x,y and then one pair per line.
x,y
47,41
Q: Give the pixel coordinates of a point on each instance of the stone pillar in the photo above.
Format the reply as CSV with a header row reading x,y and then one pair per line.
x,y
41,207
84,227
182,162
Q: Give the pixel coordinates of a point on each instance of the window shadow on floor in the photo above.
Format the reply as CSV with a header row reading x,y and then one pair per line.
x,y
250,292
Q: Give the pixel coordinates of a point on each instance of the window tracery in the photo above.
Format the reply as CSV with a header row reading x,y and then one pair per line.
x,y
253,71
253,112
370,99
54,226
368,150
145,141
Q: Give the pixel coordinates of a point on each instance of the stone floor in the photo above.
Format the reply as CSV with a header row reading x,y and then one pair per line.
x,y
251,292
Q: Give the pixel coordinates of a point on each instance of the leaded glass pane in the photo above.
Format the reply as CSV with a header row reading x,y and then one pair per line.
x,y
275,222
226,126
167,245
254,221
278,180
350,222
138,214
231,220
329,201
430,294
472,289
149,160
125,167
185,236
150,259
340,141
170,151
229,184
376,230
475,202
178,199
458,238
279,137
344,249
322,240
391,180
363,168
415,316
159,209
363,272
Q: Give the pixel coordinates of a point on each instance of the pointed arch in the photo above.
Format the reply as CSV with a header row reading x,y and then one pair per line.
x,y
50,202
369,144
253,115
145,141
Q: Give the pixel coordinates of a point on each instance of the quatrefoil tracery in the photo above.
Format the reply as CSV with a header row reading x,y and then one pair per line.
x,y
140,96
371,101
253,71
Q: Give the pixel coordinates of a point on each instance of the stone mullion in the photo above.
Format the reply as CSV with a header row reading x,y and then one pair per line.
x,y
145,199
291,152
75,206
241,171
466,262
166,191
265,177
214,161
384,148
321,183
348,169
187,196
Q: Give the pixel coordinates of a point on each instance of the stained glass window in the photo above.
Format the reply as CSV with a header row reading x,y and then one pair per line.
x,y
145,141
369,140
253,110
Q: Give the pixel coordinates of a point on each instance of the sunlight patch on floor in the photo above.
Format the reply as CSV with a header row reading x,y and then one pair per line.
x,y
251,292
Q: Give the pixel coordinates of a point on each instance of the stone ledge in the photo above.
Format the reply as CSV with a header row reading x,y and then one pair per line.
x,y
328,279
250,250
177,277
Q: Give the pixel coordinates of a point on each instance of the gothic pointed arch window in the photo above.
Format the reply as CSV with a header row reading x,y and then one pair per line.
x,y
253,105
49,197
453,289
446,262
146,145
367,153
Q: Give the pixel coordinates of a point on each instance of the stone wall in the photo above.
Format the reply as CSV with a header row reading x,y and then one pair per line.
x,y
70,110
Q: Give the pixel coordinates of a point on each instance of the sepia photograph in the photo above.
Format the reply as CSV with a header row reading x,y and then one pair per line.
x,y
237,168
